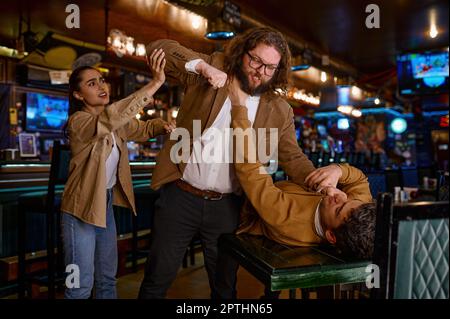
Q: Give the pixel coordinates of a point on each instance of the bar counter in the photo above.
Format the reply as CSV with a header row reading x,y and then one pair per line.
x,y
33,176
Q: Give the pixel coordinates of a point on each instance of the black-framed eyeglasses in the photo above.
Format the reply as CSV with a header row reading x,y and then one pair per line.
x,y
256,63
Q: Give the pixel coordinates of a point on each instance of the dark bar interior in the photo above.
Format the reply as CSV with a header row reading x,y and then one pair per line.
x,y
366,92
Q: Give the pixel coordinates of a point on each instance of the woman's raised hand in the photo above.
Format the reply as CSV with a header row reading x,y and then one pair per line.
x,y
170,127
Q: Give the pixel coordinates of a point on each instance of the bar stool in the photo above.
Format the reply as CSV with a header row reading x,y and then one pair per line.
x,y
45,202
146,198
411,249
442,186
190,252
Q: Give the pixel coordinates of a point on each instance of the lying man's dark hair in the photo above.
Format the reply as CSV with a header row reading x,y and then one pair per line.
x,y
356,236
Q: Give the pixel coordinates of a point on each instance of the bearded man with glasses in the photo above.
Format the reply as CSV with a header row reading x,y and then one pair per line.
x,y
205,198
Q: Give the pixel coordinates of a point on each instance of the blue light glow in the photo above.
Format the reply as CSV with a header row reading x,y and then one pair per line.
x,y
434,81
435,113
343,124
399,125
364,112
300,67
219,35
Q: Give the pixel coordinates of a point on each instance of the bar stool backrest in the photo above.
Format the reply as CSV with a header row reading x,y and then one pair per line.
x,y
59,173
411,249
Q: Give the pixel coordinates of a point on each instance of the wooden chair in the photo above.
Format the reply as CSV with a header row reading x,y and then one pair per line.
x,y
411,249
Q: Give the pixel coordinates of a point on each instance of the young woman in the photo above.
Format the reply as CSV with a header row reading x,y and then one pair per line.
x,y
99,174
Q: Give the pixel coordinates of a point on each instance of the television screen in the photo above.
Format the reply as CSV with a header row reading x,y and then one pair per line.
x,y
349,95
423,73
46,113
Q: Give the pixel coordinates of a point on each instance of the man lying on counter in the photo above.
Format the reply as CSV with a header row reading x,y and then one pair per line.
x,y
294,215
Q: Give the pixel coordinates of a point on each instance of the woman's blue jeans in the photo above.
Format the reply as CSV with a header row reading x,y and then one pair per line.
x,y
93,251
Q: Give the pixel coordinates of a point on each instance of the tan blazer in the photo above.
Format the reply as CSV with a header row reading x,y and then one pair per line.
x,y
91,143
202,102
285,211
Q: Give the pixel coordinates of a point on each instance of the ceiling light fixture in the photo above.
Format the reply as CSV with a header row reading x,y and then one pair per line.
x,y
130,46
196,22
346,109
433,31
122,44
140,49
356,113
433,28
300,95
323,76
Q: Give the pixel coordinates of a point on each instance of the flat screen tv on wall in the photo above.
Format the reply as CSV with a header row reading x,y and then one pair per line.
x,y
423,73
46,113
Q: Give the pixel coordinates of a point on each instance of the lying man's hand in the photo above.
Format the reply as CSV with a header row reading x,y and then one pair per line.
x,y
323,177
214,76
235,93
333,192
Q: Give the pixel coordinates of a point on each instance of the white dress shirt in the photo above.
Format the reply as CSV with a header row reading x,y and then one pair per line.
x,y
111,165
317,224
216,174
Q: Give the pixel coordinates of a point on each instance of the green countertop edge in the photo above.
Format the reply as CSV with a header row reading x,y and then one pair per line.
x,y
58,187
318,278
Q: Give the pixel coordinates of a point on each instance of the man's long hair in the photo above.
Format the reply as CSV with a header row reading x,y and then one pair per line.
x,y
241,44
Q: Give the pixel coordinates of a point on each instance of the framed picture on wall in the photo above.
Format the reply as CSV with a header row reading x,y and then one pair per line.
x,y
27,145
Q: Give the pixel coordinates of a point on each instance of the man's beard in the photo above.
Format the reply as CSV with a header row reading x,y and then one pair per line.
x,y
245,84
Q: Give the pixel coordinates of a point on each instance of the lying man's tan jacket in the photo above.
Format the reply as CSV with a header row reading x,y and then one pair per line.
x,y
284,211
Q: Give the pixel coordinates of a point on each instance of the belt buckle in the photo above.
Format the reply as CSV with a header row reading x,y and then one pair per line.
x,y
210,197
216,198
